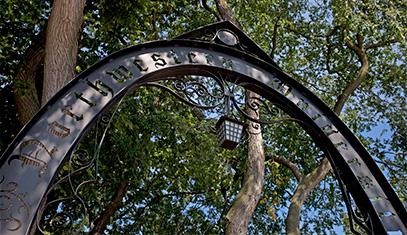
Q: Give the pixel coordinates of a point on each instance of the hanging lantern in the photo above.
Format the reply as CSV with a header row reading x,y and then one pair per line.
x,y
229,132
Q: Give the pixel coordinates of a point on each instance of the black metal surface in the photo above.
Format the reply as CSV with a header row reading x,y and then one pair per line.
x,y
223,130
229,57
210,33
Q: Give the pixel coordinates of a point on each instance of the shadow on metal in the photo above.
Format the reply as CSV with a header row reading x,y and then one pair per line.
x,y
221,51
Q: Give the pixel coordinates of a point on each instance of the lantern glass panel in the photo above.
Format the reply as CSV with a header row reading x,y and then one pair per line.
x,y
229,132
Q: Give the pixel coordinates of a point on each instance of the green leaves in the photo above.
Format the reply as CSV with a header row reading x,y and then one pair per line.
x,y
179,182
308,40
20,22
174,172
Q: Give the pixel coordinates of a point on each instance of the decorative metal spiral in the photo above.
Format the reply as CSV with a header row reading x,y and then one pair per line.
x,y
179,85
61,220
81,157
198,92
62,216
193,92
267,114
203,94
105,118
362,215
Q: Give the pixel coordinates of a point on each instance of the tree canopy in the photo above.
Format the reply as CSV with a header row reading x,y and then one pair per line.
x,y
159,168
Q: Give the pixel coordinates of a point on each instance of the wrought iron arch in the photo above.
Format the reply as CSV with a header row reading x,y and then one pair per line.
x,y
32,161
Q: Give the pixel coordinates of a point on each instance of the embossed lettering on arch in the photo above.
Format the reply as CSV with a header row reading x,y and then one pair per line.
x,y
33,160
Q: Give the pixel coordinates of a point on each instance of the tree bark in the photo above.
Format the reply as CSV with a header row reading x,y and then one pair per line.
x,y
245,202
364,69
101,222
61,48
305,186
226,13
310,181
25,91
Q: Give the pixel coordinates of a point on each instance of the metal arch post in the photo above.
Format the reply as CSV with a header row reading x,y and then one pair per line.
x,y
32,161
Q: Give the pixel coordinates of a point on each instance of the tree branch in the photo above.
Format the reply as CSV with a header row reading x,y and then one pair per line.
x,y
154,24
274,39
121,39
350,44
305,186
328,58
336,28
291,166
352,86
25,90
316,87
179,12
115,202
156,199
298,32
377,45
327,36
205,5
389,164
360,40
103,219
224,208
184,193
226,13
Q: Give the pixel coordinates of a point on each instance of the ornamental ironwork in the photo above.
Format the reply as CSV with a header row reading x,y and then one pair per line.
x,y
232,61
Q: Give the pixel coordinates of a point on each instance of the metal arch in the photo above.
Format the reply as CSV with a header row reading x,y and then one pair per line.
x,y
33,160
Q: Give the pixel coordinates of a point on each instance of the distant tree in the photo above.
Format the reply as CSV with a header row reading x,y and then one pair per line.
x,y
351,54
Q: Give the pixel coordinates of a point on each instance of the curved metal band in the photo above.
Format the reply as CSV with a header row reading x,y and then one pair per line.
x,y
35,157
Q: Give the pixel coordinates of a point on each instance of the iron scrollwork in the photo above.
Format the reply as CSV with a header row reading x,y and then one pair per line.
x,y
358,216
226,96
68,215
194,92
208,92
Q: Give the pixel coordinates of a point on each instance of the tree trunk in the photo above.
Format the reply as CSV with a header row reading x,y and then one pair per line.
x,y
25,90
305,186
101,222
351,87
61,48
245,202
309,182
226,13
60,55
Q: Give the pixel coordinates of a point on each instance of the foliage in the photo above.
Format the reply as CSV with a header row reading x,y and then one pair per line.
x,y
156,146
309,40
9,118
162,164
20,22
